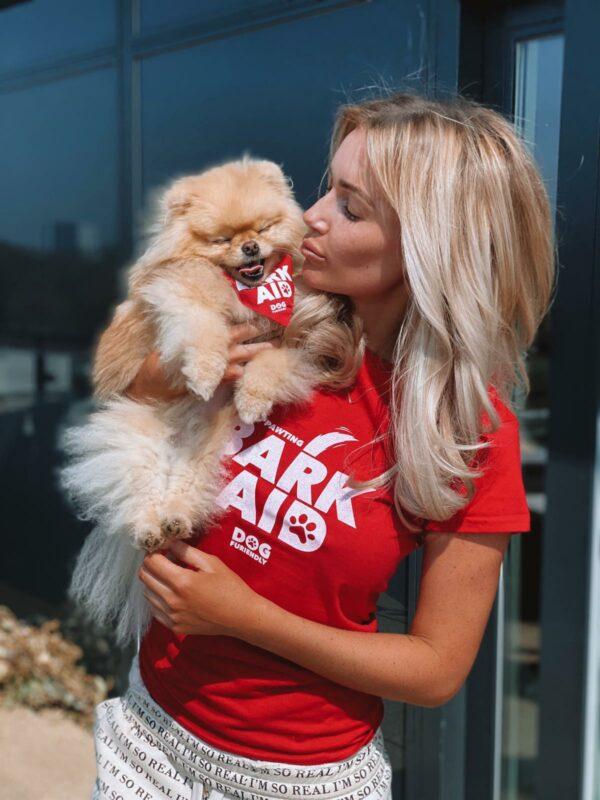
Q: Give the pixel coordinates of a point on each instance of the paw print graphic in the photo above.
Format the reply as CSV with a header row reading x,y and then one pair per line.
x,y
302,527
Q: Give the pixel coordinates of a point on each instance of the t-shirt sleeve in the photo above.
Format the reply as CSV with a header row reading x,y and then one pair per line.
x,y
499,504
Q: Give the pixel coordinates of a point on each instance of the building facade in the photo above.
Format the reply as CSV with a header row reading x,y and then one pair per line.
x,y
103,101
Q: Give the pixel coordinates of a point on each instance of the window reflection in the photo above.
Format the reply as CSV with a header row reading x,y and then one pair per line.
x,y
188,121
153,15
58,260
33,33
58,231
58,160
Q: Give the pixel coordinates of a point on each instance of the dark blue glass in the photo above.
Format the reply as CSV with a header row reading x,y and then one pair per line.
x,y
272,91
33,33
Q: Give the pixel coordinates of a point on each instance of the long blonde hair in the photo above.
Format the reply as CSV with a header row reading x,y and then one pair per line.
x,y
477,249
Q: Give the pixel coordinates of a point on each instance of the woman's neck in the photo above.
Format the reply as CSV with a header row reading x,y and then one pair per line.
x,y
382,317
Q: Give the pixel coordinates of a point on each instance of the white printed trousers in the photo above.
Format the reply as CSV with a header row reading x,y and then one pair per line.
x,y
142,753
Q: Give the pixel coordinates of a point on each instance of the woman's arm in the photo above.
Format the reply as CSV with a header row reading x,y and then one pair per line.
x,y
426,666
151,380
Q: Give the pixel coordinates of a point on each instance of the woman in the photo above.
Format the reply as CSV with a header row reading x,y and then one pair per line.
x,y
262,673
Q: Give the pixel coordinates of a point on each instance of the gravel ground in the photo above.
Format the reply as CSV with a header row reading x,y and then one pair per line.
x,y
44,756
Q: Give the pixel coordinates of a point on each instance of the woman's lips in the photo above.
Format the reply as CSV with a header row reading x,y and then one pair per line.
x,y
309,252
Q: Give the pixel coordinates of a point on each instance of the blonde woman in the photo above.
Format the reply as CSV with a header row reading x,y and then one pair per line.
x,y
262,674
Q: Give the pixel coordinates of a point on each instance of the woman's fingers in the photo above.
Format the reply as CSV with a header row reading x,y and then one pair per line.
x,y
161,617
241,351
243,331
239,355
233,373
155,601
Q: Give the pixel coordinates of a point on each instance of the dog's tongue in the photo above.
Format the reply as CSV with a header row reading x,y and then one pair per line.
x,y
251,269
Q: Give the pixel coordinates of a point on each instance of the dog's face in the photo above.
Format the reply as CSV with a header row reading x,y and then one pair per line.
x,y
241,216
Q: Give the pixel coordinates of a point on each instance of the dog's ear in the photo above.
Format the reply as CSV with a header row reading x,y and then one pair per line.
x,y
272,173
270,169
177,199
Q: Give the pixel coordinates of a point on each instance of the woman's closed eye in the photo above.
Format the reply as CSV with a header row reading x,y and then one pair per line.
x,y
344,206
347,213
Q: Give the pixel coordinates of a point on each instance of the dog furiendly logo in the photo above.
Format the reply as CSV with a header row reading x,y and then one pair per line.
x,y
249,544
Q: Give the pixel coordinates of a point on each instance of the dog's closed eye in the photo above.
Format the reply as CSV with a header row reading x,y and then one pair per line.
x,y
268,225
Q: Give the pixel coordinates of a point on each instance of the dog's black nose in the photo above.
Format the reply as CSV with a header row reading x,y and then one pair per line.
x,y
250,248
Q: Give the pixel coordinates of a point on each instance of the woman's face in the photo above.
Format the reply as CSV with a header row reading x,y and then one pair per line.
x,y
357,239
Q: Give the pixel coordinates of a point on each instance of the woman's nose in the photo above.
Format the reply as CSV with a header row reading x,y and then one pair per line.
x,y
314,219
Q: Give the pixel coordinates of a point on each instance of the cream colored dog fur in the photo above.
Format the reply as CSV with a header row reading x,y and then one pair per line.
x,y
145,472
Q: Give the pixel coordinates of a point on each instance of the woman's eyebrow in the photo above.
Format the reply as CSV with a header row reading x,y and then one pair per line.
x,y
350,187
345,185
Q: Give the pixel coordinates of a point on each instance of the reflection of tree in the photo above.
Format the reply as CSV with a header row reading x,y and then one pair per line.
x,y
61,298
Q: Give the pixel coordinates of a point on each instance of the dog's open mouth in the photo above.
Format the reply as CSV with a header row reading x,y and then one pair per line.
x,y
251,270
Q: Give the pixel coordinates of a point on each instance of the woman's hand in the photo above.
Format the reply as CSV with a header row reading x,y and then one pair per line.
x,y
209,599
151,381
240,353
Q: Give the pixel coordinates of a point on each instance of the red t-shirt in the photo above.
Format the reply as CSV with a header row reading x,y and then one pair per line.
x,y
297,536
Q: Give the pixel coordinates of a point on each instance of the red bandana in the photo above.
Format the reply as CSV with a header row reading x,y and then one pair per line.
x,y
275,297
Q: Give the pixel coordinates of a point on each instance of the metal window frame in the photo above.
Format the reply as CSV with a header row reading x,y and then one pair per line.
x,y
568,722
571,544
486,72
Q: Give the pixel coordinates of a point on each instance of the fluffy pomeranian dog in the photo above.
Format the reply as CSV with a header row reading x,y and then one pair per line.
x,y
146,472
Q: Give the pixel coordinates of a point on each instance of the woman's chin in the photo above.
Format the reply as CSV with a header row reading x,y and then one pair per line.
x,y
315,279
317,283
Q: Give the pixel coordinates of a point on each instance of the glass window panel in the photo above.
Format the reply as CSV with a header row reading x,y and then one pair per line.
x,y
17,378
154,15
538,84
537,102
59,212
282,106
58,221
33,33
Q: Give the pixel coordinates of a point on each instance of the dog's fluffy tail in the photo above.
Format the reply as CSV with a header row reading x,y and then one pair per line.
x,y
105,584
117,460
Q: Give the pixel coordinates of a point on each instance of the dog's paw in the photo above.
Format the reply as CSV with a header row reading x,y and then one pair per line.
x,y
176,528
252,407
200,385
203,372
150,540
145,531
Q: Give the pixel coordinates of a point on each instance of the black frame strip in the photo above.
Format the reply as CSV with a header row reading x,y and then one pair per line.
x,y
575,396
